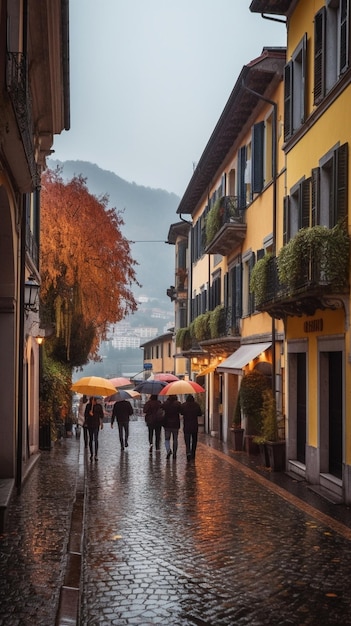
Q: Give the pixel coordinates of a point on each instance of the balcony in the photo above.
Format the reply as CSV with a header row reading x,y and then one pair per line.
x,y
225,226
215,332
18,90
303,279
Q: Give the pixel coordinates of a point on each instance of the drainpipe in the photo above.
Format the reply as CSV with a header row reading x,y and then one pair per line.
x,y
274,168
21,341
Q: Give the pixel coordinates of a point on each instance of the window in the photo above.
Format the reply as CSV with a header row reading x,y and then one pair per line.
x,y
268,149
320,199
247,297
295,90
258,132
331,45
231,183
241,178
233,298
215,292
333,186
297,209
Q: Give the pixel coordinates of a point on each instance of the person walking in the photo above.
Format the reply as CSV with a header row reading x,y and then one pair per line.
x,y
153,421
81,418
172,408
94,418
121,412
190,410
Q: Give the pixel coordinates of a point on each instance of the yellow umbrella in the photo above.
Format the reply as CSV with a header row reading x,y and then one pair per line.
x,y
94,386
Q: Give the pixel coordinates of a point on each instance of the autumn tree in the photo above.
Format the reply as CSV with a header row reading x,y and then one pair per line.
x,y
87,270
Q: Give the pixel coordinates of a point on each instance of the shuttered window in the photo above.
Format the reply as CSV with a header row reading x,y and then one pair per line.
x,y
241,178
344,35
257,157
305,198
319,55
341,169
286,219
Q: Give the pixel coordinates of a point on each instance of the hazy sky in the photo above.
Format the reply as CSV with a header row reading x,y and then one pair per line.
x,y
150,78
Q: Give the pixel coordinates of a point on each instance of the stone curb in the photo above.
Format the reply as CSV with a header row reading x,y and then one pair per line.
x,y
70,593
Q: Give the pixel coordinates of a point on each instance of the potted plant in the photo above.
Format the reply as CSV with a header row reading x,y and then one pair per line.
x,y
213,222
237,432
270,432
258,280
252,387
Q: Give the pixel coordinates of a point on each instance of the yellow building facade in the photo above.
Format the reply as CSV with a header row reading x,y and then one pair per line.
x,y
313,227
232,202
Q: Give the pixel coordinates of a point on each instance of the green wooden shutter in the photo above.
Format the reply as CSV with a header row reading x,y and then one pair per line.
x,y
241,178
288,107
319,55
315,195
305,199
341,169
257,157
238,291
344,35
286,219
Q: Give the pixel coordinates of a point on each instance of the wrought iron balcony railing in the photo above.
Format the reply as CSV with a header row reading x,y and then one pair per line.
x,y
18,90
228,226
308,292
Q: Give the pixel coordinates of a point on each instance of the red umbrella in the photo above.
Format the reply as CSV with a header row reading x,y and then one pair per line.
x,y
121,382
181,387
168,378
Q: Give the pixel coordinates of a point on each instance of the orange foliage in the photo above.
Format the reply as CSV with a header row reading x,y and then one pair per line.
x,y
85,260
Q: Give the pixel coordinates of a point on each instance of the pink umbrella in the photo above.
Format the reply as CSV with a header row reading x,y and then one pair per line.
x,y
181,387
168,378
120,382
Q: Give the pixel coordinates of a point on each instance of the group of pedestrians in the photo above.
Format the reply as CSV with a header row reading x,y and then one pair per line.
x,y
157,416
167,415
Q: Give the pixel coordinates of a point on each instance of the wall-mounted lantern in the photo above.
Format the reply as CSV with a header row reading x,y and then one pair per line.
x,y
31,294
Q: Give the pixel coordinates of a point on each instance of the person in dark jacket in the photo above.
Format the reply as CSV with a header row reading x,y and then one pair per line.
x,y
121,412
153,422
190,410
172,408
94,418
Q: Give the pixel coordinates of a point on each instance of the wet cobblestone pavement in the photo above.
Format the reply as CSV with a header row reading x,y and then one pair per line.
x,y
172,542
210,543
33,549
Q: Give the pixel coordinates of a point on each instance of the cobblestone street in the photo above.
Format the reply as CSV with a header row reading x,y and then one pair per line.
x,y
204,543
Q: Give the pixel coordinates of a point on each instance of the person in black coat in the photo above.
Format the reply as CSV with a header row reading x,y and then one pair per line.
x,y
94,419
190,410
153,421
172,408
121,412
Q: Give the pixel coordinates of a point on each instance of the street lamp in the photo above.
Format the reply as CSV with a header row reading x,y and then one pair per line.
x,y
31,294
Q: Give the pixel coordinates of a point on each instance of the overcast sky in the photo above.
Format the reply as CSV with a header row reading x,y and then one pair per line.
x,y
150,78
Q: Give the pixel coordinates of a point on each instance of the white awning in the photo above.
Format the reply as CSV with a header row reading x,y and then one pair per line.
x,y
206,370
242,356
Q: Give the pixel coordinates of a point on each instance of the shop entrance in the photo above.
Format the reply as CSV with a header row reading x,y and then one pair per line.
x,y
331,412
301,407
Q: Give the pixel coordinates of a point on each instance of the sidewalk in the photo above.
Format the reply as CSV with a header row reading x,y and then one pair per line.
x,y
41,550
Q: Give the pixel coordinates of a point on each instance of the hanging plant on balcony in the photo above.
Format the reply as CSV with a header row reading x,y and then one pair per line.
x,y
201,327
215,321
183,338
258,280
213,222
319,247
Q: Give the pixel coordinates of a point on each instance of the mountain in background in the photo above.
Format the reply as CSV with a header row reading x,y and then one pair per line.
x,y
148,214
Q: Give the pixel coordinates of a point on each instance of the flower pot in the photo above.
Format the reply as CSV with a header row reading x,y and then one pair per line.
x,y
237,438
250,446
264,455
45,437
276,453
